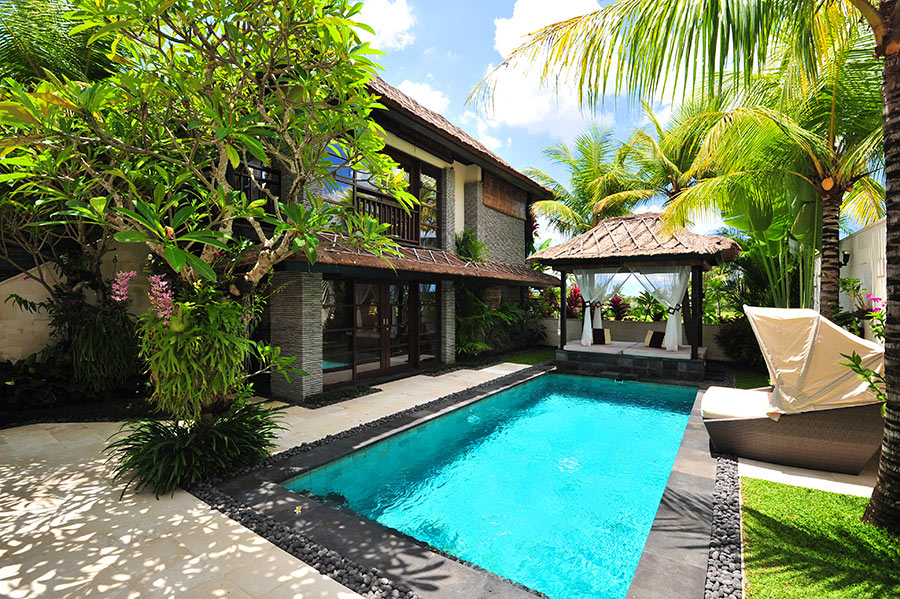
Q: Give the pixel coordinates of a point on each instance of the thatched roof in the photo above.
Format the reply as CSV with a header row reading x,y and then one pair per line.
x,y
638,238
394,99
334,250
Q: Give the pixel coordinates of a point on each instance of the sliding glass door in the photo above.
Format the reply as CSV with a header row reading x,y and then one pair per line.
x,y
373,328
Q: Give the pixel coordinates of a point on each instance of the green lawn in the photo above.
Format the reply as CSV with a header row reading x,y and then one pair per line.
x,y
750,379
807,544
530,356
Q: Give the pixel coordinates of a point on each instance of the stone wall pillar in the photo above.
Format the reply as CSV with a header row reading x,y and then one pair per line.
x,y
473,200
447,203
448,322
295,315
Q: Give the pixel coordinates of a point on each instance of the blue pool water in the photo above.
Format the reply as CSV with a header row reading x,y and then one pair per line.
x,y
553,483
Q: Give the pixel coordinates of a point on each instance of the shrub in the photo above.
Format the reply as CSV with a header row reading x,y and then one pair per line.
x,y
164,455
617,308
737,340
480,330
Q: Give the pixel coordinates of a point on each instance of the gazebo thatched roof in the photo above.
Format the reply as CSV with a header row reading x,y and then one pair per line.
x,y
638,239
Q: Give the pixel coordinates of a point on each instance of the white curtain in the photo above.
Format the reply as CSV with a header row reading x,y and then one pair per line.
x,y
596,288
668,285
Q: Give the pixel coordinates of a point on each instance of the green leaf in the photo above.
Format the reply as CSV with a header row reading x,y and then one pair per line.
x,y
203,269
131,237
181,216
233,156
176,257
254,147
11,176
100,204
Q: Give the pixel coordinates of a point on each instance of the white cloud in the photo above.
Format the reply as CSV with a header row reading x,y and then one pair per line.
x,y
425,94
520,99
392,21
531,15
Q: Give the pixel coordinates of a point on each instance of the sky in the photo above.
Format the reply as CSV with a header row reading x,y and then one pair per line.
x,y
437,52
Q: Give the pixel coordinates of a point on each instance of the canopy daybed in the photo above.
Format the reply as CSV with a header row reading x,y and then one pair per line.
x,y
663,260
818,414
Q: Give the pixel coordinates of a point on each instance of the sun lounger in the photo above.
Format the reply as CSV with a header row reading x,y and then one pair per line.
x,y
836,440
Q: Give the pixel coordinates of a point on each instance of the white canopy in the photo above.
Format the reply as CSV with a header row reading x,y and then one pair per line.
x,y
803,351
596,287
668,285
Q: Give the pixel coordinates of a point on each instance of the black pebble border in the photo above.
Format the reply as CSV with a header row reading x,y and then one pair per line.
x,y
365,581
724,572
448,400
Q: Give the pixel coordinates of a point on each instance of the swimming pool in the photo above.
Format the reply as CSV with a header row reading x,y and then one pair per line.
x,y
553,483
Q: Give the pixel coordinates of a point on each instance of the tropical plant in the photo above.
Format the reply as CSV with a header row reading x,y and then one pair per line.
x,y
469,248
617,308
654,43
646,308
481,330
596,169
36,36
226,94
163,455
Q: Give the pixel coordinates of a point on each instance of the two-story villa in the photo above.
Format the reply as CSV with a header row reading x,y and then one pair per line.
x,y
353,316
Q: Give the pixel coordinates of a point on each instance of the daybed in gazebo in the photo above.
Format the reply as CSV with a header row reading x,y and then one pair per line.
x,y
665,262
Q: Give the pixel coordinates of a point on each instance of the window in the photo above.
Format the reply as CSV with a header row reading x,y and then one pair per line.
x,y
266,177
419,226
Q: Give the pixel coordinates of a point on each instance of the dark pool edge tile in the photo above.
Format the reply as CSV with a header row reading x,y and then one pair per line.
x,y
676,553
253,490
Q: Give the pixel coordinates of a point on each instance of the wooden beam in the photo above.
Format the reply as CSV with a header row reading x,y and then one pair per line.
x,y
562,310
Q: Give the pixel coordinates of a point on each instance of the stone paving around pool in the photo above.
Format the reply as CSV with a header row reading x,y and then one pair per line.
x,y
66,534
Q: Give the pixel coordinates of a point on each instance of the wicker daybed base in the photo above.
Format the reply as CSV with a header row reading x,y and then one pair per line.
x,y
839,440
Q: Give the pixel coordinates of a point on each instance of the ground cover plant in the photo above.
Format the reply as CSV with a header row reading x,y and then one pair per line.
x,y
807,544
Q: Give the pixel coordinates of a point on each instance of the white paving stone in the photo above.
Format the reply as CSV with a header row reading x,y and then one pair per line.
x,y
860,485
64,532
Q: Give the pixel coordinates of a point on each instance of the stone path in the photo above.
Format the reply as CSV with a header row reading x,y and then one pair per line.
x,y
65,533
860,484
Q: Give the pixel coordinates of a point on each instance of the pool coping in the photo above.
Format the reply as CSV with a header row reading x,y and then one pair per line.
x,y
675,559
670,561
411,562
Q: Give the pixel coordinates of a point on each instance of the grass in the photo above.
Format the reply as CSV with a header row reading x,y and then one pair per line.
x,y
530,356
807,544
750,379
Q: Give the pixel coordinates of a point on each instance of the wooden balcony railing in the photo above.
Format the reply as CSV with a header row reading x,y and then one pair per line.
x,y
404,225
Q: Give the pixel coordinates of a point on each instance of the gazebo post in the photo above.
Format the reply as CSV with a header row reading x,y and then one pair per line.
x,y
696,309
562,309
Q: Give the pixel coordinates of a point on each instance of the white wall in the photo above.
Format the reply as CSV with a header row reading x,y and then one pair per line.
x,y
23,333
867,262
867,259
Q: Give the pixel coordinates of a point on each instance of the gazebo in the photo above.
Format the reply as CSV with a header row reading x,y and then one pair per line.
x,y
664,261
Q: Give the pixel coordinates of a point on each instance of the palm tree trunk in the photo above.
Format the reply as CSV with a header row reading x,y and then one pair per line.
x,y
884,508
831,250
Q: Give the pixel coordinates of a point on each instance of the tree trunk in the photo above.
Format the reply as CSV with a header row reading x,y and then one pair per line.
x,y
884,508
831,252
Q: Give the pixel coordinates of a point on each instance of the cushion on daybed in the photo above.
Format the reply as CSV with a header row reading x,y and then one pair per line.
x,y
725,402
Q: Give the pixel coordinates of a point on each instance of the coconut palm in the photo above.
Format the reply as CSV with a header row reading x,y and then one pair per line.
x,y
649,44
597,169
35,36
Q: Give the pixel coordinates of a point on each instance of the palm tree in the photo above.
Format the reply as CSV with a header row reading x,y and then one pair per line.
x,y
651,43
820,143
35,35
596,170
